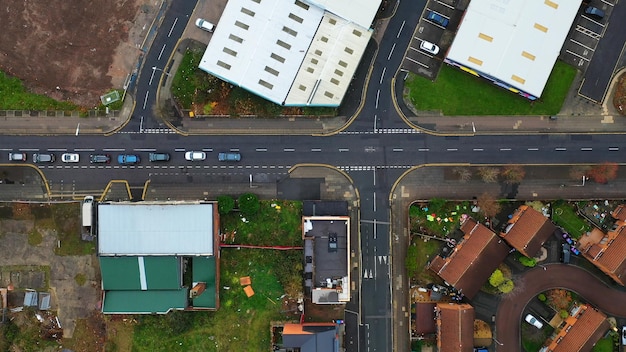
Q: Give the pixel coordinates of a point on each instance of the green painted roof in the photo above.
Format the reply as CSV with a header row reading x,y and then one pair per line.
x,y
140,273
203,269
144,302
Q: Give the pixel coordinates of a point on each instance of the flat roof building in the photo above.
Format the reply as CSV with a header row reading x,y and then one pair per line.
x,y
514,44
293,53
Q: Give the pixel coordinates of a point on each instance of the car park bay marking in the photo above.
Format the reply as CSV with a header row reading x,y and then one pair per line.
x,y
578,56
588,32
417,62
444,4
608,3
581,44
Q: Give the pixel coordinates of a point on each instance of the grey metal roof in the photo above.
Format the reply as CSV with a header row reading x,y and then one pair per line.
x,y
155,228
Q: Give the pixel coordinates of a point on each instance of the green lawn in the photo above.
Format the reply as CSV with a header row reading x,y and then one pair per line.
x,y
241,323
565,216
459,93
13,96
604,345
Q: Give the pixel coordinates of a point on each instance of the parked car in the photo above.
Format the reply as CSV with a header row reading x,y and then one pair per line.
x,y
429,47
100,158
229,157
128,159
17,156
44,158
205,25
566,253
70,157
195,156
437,18
594,12
624,335
533,321
567,238
159,157
575,250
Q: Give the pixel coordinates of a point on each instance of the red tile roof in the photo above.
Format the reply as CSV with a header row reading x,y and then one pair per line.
x,y
587,329
425,318
455,325
473,260
528,230
620,212
614,256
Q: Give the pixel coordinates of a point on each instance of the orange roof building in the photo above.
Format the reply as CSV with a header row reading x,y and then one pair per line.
x,y
527,230
455,327
609,254
473,260
580,331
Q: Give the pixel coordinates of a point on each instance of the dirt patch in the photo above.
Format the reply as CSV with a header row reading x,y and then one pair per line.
x,y
73,50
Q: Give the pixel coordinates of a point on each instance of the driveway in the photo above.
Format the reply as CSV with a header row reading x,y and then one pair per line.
x,y
588,286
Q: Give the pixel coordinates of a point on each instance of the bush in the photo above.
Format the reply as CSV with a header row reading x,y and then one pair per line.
x,y
527,262
249,204
225,204
541,297
497,278
563,313
506,286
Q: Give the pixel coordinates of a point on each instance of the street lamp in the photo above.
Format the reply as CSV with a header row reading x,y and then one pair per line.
x,y
159,69
498,342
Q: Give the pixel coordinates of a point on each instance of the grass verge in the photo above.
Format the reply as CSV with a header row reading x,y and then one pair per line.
x,y
565,216
14,96
458,93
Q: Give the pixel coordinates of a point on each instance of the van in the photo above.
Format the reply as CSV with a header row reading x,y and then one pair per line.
x,y
159,157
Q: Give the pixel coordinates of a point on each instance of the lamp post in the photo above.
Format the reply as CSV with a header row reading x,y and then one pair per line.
x,y
498,342
159,69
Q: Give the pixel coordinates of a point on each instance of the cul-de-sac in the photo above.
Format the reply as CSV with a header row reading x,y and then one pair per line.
x,y
313,176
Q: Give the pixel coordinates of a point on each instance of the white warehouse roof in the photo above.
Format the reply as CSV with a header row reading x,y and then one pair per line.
x,y
155,229
361,12
290,52
515,41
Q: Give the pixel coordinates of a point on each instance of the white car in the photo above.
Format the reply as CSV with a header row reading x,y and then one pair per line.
x,y
70,157
429,47
195,156
533,321
624,335
205,25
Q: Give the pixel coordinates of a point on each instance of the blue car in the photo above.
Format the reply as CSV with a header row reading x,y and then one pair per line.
x,y
437,18
128,159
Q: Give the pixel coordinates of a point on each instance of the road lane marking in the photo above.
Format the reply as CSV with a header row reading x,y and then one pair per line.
x,y
173,25
289,150
341,150
452,149
161,53
261,149
586,149
207,149
423,149
316,149
533,149
560,149
505,149
614,149
397,149
145,101
382,75
377,97
145,150
400,30
478,149
391,51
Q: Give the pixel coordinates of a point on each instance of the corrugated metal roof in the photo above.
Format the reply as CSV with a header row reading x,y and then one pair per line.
x,y
155,229
140,273
144,302
361,12
517,42
203,270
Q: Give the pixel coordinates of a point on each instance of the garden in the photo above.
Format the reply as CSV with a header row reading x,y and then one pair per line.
x,y
205,94
456,93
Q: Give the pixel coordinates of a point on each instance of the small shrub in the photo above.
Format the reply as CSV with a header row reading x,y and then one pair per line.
x,y
80,279
225,204
528,262
541,297
497,278
563,313
489,174
506,286
249,204
34,237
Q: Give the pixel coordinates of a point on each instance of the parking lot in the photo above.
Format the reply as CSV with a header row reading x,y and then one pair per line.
x,y
439,30
585,34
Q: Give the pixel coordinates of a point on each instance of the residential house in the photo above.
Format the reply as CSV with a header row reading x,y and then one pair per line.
x,y
608,251
580,331
311,337
527,230
455,327
145,249
473,260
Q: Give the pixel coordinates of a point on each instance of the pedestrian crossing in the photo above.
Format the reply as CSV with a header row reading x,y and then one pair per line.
x,y
150,131
385,131
373,167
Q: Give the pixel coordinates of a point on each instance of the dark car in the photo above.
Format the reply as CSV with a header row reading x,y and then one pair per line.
x,y
128,159
229,157
100,158
332,242
43,158
575,250
567,238
594,12
565,253
159,157
437,18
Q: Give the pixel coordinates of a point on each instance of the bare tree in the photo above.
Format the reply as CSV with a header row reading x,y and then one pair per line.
x,y
488,204
464,173
513,173
489,174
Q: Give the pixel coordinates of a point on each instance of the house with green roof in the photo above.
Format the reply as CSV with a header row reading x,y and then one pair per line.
x,y
158,256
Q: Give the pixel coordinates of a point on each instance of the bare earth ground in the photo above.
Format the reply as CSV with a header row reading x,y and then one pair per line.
x,y
73,50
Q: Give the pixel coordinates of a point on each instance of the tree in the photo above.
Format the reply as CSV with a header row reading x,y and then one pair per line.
x,y
559,299
464,173
577,172
528,262
513,173
488,204
489,174
225,204
249,204
603,173
497,278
